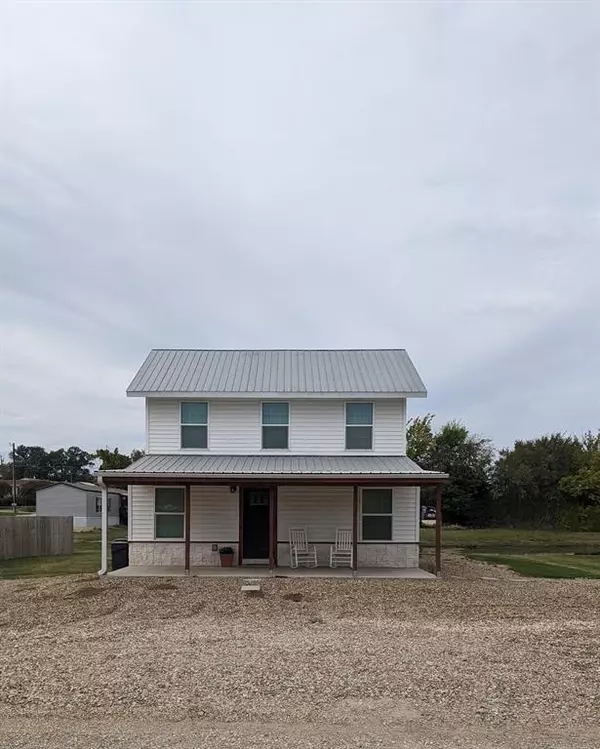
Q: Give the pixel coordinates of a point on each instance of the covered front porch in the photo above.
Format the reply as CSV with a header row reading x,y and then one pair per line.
x,y
186,510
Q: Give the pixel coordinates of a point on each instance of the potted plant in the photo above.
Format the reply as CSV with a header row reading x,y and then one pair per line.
x,y
226,554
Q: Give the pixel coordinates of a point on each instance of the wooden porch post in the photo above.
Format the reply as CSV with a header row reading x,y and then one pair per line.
x,y
273,527
438,529
355,528
188,514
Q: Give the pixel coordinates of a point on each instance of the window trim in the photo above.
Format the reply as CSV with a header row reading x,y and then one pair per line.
x,y
377,515
347,426
99,504
207,425
154,514
263,425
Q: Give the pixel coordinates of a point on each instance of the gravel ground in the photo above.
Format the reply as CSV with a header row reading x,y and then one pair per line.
x,y
311,663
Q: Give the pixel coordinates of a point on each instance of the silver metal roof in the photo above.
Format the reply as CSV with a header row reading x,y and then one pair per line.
x,y
263,465
368,371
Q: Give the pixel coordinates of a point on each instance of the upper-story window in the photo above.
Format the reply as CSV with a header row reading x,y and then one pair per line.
x,y
359,426
194,425
275,426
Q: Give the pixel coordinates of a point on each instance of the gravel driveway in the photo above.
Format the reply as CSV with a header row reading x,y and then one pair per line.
x,y
311,663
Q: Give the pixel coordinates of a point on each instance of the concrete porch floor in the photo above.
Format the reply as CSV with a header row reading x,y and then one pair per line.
x,y
390,573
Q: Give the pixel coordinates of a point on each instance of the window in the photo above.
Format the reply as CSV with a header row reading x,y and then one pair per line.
x,y
377,515
194,425
359,426
99,504
169,515
275,426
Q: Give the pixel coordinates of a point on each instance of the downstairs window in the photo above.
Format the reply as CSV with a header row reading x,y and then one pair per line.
x,y
377,514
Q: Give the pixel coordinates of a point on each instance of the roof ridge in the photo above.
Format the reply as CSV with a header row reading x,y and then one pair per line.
x,y
237,350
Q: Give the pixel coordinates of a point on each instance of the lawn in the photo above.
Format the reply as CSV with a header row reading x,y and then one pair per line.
x,y
552,554
546,565
509,539
85,558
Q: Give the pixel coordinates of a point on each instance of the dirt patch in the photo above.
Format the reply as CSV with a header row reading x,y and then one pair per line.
x,y
88,592
296,597
162,586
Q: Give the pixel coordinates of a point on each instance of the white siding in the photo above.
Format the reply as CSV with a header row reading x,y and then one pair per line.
x,y
405,523
317,427
319,509
234,427
389,427
164,427
141,516
214,514
61,500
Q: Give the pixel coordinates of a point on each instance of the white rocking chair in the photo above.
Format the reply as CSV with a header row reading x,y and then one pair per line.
x,y
301,552
341,552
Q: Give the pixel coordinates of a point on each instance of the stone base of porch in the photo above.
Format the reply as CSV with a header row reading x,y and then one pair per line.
x,y
154,553
382,555
405,556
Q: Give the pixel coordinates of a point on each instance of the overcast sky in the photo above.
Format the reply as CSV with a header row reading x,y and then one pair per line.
x,y
291,175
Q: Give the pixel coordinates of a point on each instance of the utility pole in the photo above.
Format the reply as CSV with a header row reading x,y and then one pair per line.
x,y
14,481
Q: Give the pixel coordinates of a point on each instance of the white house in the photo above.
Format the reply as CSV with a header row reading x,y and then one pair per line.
x,y
241,446
81,500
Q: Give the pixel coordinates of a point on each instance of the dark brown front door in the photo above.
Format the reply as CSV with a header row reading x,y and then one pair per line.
x,y
255,516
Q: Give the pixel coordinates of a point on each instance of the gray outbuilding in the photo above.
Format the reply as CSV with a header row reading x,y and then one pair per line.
x,y
81,500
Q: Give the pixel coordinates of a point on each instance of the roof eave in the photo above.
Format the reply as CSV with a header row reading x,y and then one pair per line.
x,y
422,477
276,396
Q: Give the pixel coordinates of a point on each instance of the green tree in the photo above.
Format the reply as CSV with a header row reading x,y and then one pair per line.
x,y
419,438
468,459
583,487
527,480
113,460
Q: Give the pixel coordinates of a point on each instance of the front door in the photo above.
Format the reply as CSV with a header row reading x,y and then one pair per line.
x,y
255,525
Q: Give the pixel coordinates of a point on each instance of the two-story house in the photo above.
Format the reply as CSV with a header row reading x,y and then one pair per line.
x,y
243,445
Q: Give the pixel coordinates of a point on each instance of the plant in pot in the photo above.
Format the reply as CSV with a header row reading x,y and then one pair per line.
x,y
226,554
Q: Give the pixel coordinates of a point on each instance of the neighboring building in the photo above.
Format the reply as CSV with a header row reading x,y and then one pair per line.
x,y
82,500
244,445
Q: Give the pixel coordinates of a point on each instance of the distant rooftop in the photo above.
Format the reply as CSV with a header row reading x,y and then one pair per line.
x,y
278,372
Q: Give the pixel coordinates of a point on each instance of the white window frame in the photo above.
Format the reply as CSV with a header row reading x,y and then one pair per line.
x,y
377,515
154,514
207,425
99,504
263,425
351,426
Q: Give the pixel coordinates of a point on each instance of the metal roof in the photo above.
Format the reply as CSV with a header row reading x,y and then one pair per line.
x,y
263,465
357,371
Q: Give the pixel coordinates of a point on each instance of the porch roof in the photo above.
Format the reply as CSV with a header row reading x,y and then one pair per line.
x,y
306,469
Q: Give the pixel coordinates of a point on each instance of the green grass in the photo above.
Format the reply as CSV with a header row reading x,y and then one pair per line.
x,y
85,558
546,565
508,539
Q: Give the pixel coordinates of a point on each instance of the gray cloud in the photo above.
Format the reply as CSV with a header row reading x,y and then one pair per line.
x,y
299,175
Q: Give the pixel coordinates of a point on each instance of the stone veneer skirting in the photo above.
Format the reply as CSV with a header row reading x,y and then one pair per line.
x,y
201,554
149,553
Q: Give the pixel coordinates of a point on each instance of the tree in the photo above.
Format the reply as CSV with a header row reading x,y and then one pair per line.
x,y
72,464
466,457
527,480
583,487
419,438
113,460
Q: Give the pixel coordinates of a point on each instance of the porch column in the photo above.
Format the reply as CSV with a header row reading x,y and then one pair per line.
x,y
355,528
188,513
438,529
273,527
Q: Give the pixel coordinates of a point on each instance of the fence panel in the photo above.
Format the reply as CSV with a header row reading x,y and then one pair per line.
x,y
35,537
